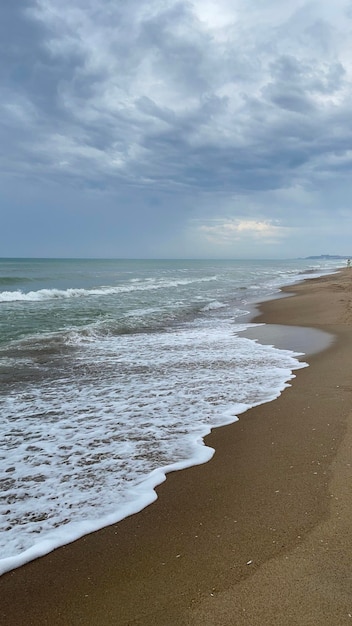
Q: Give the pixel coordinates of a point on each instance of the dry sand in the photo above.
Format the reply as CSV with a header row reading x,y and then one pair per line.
x,y
260,535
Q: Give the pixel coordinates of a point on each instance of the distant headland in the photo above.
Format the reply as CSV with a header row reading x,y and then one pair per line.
x,y
329,256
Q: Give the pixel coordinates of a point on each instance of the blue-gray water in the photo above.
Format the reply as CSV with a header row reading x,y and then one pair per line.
x,y
112,372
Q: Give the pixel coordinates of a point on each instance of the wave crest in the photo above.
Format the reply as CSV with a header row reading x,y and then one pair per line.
x,y
61,294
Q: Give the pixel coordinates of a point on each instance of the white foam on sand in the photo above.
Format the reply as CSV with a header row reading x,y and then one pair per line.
x,y
85,450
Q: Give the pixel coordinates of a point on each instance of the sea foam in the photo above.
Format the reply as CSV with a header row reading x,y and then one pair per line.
x,y
93,442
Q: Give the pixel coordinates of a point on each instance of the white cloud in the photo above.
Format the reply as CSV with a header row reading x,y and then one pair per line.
x,y
226,231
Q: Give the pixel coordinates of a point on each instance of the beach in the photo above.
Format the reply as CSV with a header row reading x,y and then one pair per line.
x,y
261,534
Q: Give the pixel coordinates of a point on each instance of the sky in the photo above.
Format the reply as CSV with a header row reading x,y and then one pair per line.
x,y
175,128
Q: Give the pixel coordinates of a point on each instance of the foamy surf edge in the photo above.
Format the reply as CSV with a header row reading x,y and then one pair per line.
x,y
142,494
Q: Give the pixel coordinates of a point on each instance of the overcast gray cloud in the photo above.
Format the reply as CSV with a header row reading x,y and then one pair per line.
x,y
176,128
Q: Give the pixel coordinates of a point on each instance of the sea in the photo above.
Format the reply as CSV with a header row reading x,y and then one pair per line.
x,y
111,374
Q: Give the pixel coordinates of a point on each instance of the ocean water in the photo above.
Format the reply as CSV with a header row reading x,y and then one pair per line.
x,y
112,372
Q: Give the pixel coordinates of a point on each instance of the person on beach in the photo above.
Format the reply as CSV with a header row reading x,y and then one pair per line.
x,y
348,262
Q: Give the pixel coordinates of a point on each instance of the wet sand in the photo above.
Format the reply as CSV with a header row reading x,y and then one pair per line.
x,y
262,534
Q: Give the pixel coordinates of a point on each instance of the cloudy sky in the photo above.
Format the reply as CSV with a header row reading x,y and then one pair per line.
x,y
176,128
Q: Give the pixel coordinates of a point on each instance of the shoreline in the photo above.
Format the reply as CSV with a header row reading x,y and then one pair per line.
x,y
222,543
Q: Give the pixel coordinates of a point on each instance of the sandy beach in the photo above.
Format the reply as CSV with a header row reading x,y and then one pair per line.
x,y
260,535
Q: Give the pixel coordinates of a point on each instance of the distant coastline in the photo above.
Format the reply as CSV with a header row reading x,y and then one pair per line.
x,y
329,256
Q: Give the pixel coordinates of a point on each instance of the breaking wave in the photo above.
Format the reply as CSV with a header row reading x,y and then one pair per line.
x,y
61,294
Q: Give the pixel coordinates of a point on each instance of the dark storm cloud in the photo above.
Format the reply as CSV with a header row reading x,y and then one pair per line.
x,y
26,66
88,104
179,98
